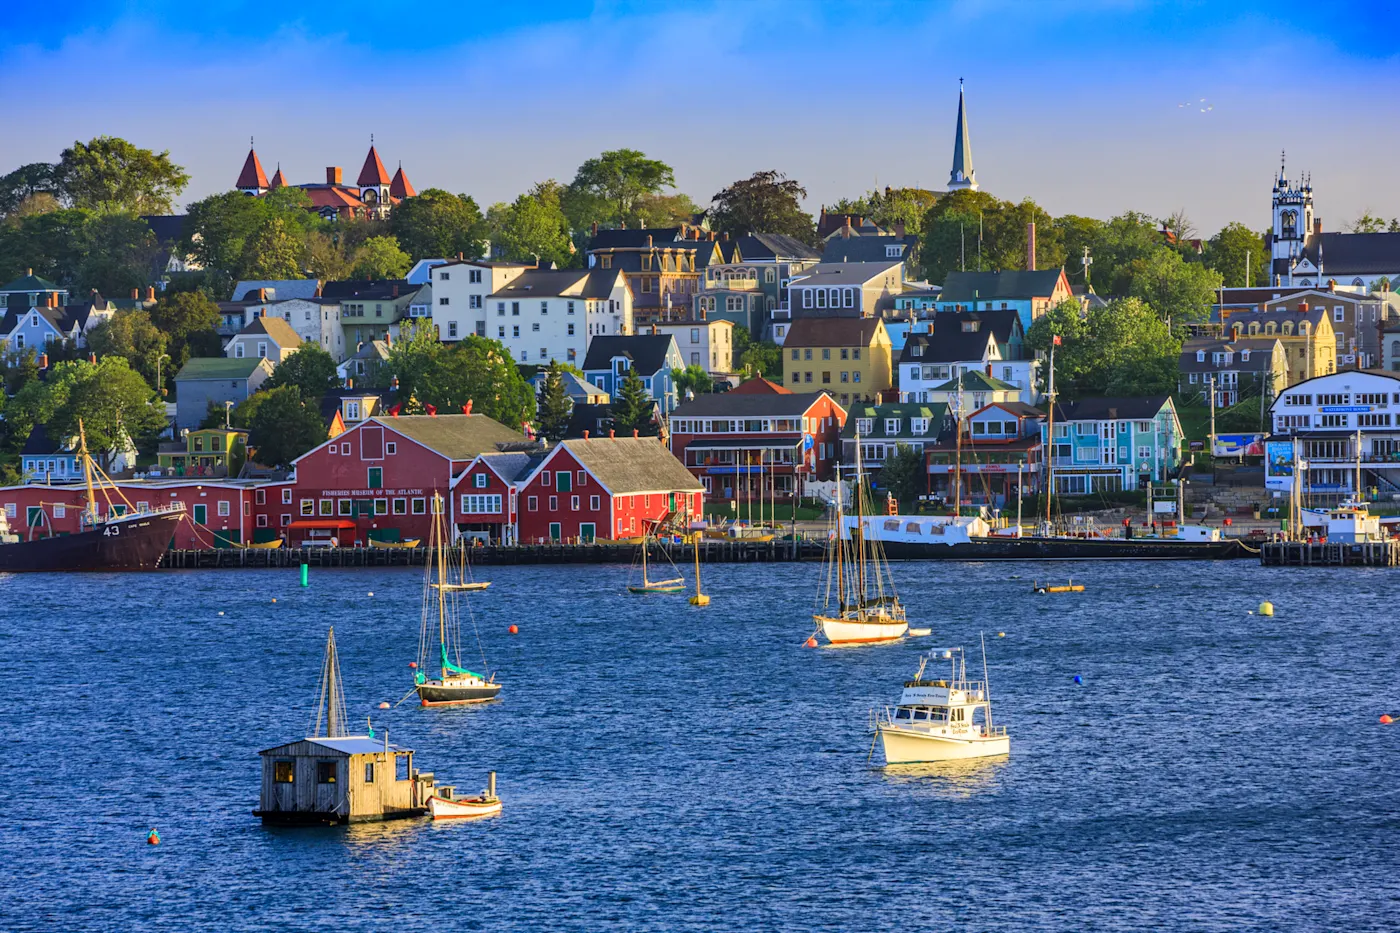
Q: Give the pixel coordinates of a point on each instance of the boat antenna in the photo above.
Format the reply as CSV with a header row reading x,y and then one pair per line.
x,y
986,681
330,706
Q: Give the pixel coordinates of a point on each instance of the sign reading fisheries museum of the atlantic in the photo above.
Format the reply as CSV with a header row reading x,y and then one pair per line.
x,y
367,493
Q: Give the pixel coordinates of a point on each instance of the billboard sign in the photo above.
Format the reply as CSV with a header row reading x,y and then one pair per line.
x,y
1239,445
1278,465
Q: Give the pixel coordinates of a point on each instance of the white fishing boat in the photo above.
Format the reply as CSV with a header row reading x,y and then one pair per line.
x,y
941,719
860,605
446,805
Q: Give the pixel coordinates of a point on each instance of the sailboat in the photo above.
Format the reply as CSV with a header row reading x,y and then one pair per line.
x,y
859,605
463,585
456,685
648,585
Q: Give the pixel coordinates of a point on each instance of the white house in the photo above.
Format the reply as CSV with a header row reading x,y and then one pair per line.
x,y
314,320
461,288
703,342
269,338
1325,414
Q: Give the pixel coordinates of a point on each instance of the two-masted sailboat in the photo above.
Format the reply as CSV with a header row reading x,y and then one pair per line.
x,y
441,627
859,603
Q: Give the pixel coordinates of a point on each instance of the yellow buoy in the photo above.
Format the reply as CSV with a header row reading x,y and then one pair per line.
x,y
700,599
1266,608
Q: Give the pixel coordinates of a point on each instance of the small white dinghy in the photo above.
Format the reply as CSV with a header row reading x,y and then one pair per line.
x,y
444,805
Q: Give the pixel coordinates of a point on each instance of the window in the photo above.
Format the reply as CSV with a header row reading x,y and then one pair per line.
x,y
1200,356
532,504
573,503
501,331
826,377
284,772
478,505
1338,314
535,327
224,508
325,772
581,478
605,262
420,506
515,309
891,425
807,354
287,496
570,310
308,506
826,353
855,376
806,298
850,297
797,354
325,506
452,328
554,503
500,309
593,503
474,301
515,330
369,765
845,375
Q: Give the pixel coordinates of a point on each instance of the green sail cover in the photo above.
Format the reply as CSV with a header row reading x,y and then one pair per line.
x,y
452,667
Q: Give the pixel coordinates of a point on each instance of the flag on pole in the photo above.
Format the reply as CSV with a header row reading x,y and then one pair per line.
x,y
1057,340
431,410
395,410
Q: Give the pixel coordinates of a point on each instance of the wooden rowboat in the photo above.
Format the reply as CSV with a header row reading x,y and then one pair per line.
x,y
460,587
409,543
447,806
265,545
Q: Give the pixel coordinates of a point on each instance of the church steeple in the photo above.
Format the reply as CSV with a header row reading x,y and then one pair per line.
x,y
252,180
963,175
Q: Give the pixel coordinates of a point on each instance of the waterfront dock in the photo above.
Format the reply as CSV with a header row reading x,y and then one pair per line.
x,y
714,552
1329,554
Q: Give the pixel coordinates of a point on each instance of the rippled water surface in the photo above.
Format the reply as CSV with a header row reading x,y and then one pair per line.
x,y
665,767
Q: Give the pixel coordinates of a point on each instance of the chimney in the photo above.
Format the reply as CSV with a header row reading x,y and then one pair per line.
x,y
1332,285
649,241
622,225
29,271
318,289
1303,308
467,409
388,339
92,357
396,292
135,294
593,229
846,228
43,361
262,294
150,293
635,432
585,435
611,433
333,174
899,228
1317,225
1030,246
349,383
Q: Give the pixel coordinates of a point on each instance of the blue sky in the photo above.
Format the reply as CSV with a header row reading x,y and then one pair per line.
x,y
1087,107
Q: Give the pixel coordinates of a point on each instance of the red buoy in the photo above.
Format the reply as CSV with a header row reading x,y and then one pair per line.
x,y
1386,719
515,629
423,703
413,665
811,643
153,838
383,705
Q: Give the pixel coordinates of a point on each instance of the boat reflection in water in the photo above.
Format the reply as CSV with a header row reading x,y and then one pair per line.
x,y
962,777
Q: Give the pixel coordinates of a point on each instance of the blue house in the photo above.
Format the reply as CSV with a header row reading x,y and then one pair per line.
x,y
1028,292
1112,444
653,356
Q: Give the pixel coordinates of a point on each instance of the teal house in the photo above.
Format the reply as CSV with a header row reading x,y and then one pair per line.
x,y
1028,292
1113,444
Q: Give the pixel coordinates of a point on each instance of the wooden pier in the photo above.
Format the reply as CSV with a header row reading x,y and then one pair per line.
x,y
713,552
1329,554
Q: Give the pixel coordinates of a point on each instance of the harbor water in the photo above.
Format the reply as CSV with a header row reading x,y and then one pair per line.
x,y
665,767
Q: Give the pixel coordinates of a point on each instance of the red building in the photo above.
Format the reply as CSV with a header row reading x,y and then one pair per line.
x,y
219,512
604,487
484,496
380,476
758,440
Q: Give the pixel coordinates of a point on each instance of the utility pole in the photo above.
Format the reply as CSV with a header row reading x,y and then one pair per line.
x,y
1087,261
1050,434
1246,269
1211,452
962,252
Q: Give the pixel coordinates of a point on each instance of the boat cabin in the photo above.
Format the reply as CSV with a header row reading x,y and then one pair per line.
x,y
349,779
1352,523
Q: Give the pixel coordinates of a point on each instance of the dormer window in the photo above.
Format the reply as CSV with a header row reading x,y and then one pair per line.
x,y
891,425
1244,356
865,425
894,252
1200,356
971,327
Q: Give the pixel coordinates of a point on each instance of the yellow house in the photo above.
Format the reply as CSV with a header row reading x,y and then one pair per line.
x,y
206,452
848,357
1309,342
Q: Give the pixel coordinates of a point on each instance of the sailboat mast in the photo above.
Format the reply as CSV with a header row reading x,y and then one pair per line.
x,y
840,545
860,524
1050,435
87,472
442,578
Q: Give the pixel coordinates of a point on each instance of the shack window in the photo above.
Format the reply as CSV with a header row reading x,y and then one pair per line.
x,y
325,772
369,772
401,767
284,772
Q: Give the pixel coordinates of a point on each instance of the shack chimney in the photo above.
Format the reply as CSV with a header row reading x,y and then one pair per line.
x,y
395,293
649,241
43,361
1317,225
333,174
1030,246
611,433
318,289
349,383
1331,285
135,293
593,229
150,293
585,435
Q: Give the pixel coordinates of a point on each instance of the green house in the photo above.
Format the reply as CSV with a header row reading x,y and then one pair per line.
x,y
205,452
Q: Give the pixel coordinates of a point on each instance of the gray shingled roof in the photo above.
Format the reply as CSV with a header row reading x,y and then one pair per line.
x,y
1017,284
628,465
646,351
1344,254
457,437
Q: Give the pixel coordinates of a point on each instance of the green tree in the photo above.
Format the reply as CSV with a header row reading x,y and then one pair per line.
x,y
310,370
438,225
25,182
555,407
950,231
21,371
325,256
974,231
111,174
220,227
533,228
1367,222
111,399
1180,292
694,379
416,351
633,408
758,358
904,475
1123,348
1122,241
282,426
479,371
274,253
190,322
1229,250
380,258
1073,357
121,252
1076,234
618,180
131,336
665,210
765,202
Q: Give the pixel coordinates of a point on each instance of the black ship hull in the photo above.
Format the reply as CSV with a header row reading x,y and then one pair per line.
x,y
132,542
1033,548
439,694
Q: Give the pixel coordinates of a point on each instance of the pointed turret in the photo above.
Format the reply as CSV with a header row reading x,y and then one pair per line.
x,y
963,174
278,179
401,187
373,174
252,180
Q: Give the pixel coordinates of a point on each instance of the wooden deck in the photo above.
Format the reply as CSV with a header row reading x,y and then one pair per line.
x,y
712,552
1305,554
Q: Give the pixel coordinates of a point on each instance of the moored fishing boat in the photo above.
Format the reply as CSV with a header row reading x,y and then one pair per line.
x,y
441,625
860,605
446,805
941,719
648,585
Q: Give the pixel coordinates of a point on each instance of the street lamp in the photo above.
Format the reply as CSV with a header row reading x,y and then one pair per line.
x,y
160,386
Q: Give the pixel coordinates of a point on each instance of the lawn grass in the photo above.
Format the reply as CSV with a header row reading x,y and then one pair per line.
x,y
807,511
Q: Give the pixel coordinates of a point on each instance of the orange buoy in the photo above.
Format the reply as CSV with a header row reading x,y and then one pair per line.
x,y
1386,719
413,665
274,599
423,703
153,838
383,705
515,630
811,643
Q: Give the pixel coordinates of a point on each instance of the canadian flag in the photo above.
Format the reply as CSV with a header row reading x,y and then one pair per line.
x,y
527,430
395,410
431,410
1057,340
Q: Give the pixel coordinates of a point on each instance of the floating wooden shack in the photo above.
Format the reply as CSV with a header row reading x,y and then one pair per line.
x,y
332,777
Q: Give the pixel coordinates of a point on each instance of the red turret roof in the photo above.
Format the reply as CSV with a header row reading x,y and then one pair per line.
x,y
401,187
278,179
252,175
373,174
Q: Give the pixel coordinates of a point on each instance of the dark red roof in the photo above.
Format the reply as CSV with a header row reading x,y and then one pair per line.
x,y
278,179
374,173
252,175
401,187
759,386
